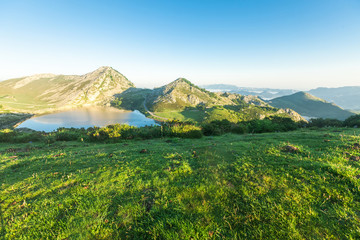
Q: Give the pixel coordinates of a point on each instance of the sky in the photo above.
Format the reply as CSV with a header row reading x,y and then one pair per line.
x,y
297,44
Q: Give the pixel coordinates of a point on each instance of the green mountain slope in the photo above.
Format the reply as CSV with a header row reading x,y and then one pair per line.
x,y
48,91
182,93
311,106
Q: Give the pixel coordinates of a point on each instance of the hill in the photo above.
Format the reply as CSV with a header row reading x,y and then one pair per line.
x,y
295,185
46,92
345,97
311,106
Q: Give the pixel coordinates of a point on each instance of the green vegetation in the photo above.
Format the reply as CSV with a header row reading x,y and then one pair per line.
x,y
353,121
8,120
310,106
296,185
133,99
116,103
232,113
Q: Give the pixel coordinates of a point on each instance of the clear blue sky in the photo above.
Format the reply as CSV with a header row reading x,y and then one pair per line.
x,y
260,43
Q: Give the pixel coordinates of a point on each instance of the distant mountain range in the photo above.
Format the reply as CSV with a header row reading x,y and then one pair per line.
x,y
264,93
345,97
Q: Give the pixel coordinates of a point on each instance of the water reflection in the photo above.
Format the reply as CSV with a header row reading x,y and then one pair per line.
x,y
86,117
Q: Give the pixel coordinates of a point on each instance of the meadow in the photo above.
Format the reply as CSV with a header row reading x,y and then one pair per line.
x,y
303,184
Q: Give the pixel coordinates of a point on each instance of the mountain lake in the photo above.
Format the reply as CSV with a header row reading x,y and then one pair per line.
x,y
85,118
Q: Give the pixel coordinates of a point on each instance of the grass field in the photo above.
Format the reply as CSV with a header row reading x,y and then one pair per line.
x,y
295,185
184,115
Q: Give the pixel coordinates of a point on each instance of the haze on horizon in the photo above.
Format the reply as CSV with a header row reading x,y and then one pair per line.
x,y
276,44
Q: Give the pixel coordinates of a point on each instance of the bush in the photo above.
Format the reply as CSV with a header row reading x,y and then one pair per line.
x,y
217,127
328,122
6,135
239,128
283,123
353,121
186,131
149,132
69,134
261,126
27,137
10,136
113,132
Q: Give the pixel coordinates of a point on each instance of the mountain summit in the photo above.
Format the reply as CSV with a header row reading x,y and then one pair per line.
x,y
45,92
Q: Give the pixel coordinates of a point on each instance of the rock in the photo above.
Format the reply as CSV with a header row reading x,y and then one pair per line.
x,y
144,151
290,149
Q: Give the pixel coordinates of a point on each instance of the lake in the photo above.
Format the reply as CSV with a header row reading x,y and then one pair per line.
x,y
85,118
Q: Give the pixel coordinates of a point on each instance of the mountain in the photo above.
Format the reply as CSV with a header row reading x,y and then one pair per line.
x,y
264,93
184,101
345,97
182,93
44,92
310,106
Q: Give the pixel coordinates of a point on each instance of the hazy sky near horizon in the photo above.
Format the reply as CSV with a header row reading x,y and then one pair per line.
x,y
299,44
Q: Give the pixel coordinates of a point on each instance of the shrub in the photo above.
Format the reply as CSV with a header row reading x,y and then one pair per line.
x,y
27,137
239,128
6,135
328,122
186,131
261,126
113,132
283,123
217,127
69,134
353,121
149,132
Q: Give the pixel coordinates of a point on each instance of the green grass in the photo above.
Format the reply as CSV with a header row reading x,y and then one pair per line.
x,y
185,115
231,186
231,113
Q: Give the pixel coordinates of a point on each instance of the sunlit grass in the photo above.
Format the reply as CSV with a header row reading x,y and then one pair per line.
x,y
231,186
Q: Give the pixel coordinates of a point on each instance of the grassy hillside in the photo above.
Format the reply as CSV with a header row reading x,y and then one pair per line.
x,y
232,113
310,106
47,92
296,185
